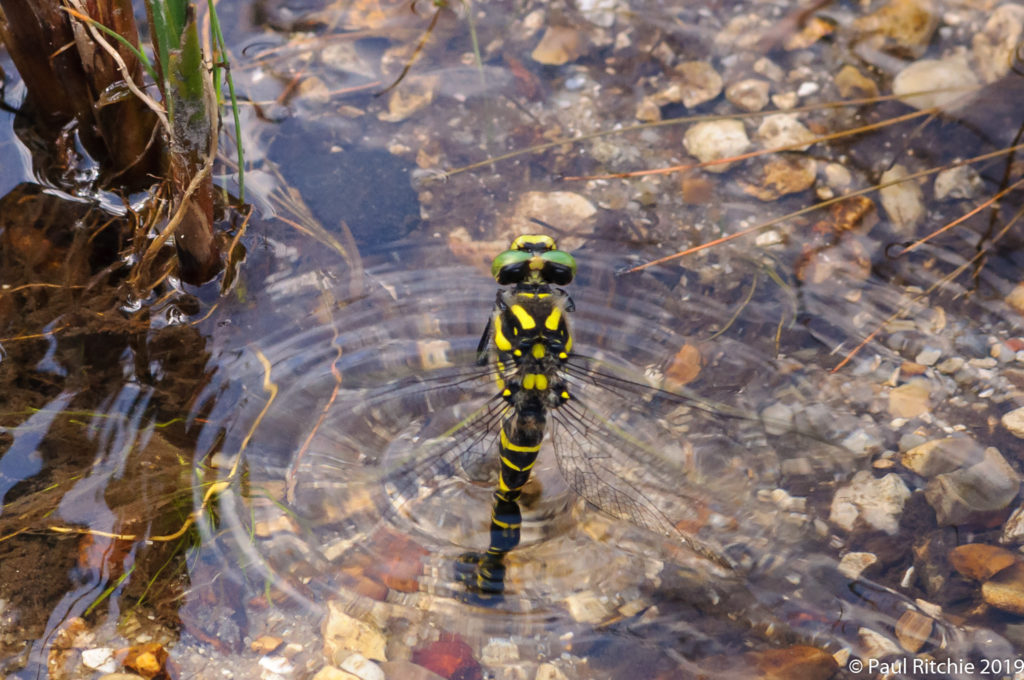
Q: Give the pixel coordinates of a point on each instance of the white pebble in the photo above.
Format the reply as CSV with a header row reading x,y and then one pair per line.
x,y
100,659
1014,422
713,140
361,667
940,82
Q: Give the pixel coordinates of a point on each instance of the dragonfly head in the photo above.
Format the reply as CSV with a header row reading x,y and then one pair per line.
x,y
534,259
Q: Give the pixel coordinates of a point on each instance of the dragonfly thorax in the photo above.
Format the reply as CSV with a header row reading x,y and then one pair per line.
x,y
533,342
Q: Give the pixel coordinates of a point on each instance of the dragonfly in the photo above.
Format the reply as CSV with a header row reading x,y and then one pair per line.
x,y
547,391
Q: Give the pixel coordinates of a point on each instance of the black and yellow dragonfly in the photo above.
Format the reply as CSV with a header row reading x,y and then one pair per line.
x,y
596,416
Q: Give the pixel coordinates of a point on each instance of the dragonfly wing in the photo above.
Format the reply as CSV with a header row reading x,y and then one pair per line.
x,y
603,465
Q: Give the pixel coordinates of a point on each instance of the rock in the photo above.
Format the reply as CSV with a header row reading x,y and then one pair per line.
x,y
903,201
799,662
1016,298
1013,527
559,45
714,140
265,644
361,667
332,673
853,564
785,100
942,455
684,367
416,93
567,210
777,418
980,561
407,670
449,656
987,486
699,82
852,84
929,83
814,29
750,94
1005,590
784,131
788,174
278,665
1014,422
99,659
951,365
599,12
910,399
995,47
147,659
586,607
876,502
648,110
903,25
769,69
500,652
861,443
928,356
547,671
344,634
913,629
837,176
876,645
957,183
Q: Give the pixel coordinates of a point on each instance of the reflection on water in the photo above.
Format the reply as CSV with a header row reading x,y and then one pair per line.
x,y
212,474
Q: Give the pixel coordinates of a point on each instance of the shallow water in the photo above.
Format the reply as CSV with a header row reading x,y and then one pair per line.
x,y
282,417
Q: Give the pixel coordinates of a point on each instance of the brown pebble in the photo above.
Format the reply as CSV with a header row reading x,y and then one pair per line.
x,y
852,84
800,662
685,366
1016,298
1005,590
559,45
265,644
913,629
980,561
909,400
910,368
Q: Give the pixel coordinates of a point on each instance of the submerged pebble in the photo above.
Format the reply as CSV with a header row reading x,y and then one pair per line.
x,y
935,82
985,487
714,140
749,94
876,502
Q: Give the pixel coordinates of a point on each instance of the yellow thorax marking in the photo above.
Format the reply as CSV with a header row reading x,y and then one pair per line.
x,y
524,318
535,381
551,323
500,341
538,351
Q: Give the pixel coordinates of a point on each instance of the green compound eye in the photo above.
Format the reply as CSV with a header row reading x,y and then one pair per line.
x,y
559,267
511,266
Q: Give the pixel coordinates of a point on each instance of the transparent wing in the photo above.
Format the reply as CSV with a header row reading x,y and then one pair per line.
x,y
600,465
658,459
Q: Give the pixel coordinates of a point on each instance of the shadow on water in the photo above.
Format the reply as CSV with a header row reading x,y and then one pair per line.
x,y
261,481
